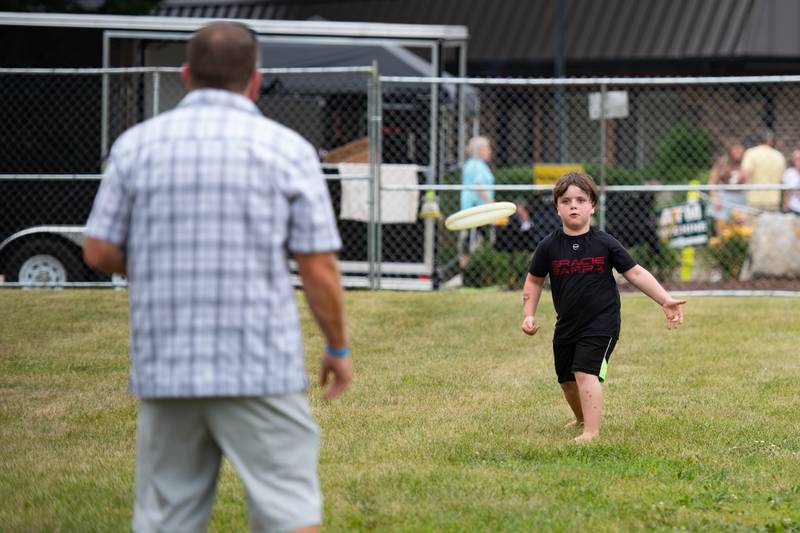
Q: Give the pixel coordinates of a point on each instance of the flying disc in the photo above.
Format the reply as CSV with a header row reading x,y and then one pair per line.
x,y
479,215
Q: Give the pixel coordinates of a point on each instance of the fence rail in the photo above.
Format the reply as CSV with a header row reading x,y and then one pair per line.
x,y
393,148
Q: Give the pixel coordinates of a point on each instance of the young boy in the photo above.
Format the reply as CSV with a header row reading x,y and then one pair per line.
x,y
579,260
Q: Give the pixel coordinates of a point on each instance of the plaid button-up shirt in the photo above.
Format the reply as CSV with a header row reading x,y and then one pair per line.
x,y
208,200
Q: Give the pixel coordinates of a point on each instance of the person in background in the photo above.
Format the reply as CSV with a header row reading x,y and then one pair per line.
x,y
727,171
518,234
476,174
791,198
763,165
201,207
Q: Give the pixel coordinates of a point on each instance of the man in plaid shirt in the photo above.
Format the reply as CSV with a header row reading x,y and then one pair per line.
x,y
200,207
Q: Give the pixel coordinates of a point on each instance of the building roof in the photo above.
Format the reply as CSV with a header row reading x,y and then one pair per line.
x,y
307,28
524,30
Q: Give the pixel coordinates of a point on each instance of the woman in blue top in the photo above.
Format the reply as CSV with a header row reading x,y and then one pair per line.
x,y
476,172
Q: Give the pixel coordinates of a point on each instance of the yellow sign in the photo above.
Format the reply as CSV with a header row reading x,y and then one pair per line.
x,y
548,173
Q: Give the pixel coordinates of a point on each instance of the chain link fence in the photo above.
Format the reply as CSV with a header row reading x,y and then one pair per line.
x,y
56,127
650,143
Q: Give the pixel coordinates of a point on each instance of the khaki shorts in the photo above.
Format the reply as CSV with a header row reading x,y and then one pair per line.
x,y
272,442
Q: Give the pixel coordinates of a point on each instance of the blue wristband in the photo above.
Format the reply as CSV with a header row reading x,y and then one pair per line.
x,y
344,352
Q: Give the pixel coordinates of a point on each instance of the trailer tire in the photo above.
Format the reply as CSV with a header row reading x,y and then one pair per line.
x,y
45,262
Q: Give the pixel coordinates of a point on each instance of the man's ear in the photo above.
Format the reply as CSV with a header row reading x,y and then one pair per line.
x,y
254,86
186,77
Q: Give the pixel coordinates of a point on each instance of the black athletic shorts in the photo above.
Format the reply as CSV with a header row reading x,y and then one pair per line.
x,y
589,355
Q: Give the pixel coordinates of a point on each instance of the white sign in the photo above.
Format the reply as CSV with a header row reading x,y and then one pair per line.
x,y
683,225
615,105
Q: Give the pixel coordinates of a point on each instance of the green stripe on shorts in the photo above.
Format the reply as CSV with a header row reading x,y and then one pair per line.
x,y
603,368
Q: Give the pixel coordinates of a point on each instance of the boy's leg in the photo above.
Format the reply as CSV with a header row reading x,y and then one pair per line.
x,y
589,366
563,357
570,389
591,400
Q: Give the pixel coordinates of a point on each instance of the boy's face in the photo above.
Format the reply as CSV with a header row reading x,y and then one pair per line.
x,y
575,210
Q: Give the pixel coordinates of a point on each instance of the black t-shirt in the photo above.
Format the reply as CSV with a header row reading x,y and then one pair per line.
x,y
585,294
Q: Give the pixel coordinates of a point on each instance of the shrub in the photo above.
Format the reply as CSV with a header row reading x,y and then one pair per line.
x,y
615,175
683,154
488,267
661,262
515,175
728,250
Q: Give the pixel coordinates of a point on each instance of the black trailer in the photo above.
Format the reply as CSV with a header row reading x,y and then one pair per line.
x,y
56,126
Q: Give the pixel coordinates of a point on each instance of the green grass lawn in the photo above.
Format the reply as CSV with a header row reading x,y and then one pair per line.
x,y
453,423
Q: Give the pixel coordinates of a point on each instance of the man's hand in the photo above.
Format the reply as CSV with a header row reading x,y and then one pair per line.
x,y
342,370
672,310
529,325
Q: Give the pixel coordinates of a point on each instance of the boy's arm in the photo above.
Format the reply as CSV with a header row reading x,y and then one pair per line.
x,y
643,280
530,301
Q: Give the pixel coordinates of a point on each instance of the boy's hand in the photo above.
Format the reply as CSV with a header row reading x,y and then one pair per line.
x,y
672,310
529,325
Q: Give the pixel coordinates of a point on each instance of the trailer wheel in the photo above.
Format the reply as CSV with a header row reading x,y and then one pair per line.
x,y
42,269
45,262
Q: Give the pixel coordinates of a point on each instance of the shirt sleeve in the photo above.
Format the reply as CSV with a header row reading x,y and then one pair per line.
x,y
539,264
312,224
621,260
110,217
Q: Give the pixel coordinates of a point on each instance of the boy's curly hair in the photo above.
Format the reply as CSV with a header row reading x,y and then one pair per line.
x,y
582,181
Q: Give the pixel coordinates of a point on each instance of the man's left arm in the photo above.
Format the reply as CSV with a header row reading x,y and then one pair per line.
x,y
323,289
312,239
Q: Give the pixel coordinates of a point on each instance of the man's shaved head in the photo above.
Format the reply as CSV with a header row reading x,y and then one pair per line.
x,y
222,55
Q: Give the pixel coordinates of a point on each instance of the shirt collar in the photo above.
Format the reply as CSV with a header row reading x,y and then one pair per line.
x,y
582,235
218,97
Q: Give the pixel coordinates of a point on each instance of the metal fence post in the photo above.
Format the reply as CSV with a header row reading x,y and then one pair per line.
x,y
156,91
462,107
104,101
374,225
603,156
434,116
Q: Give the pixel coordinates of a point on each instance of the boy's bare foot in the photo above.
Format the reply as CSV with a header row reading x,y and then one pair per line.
x,y
585,437
573,424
